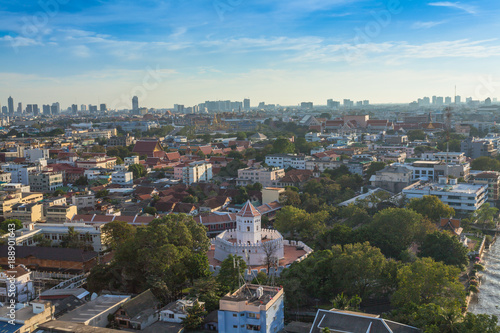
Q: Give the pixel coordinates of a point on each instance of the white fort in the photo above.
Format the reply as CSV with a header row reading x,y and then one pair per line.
x,y
249,241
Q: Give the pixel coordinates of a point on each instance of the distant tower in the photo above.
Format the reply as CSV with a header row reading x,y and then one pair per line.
x,y
246,104
10,103
248,228
135,103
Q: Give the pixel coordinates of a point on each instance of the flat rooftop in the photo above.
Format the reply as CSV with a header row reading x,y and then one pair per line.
x,y
248,293
93,308
459,188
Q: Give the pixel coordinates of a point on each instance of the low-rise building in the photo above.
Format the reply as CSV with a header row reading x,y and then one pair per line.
x,y
60,213
465,197
29,212
252,308
139,312
492,180
392,178
124,178
20,277
99,163
45,181
176,311
84,200
27,319
285,161
124,140
268,177
131,160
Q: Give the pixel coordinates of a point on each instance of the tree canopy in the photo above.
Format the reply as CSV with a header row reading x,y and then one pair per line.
x,y
431,207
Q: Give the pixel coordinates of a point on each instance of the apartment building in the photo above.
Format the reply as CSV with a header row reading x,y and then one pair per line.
x,y
29,212
45,181
268,177
124,178
97,163
285,161
60,213
195,172
85,200
9,199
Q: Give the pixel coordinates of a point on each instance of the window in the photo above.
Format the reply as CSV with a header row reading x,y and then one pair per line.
x,y
235,326
171,315
235,315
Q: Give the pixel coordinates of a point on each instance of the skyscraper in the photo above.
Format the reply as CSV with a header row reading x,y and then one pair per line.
x,y
434,99
35,109
74,108
103,107
46,110
246,104
20,107
29,108
447,100
55,108
458,99
83,107
135,103
10,103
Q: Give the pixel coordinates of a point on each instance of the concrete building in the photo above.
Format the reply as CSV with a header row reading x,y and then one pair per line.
x,y
55,232
270,194
20,172
27,318
10,198
59,213
29,212
474,148
464,197
95,313
20,277
176,311
492,180
252,308
85,200
99,163
124,178
196,172
392,178
284,161
450,157
5,177
125,140
131,160
45,181
268,177
34,155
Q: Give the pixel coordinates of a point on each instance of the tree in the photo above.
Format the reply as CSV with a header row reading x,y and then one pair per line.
x,y
432,207
7,224
138,170
485,163
416,135
300,224
58,193
373,168
41,241
102,193
426,281
479,323
82,181
486,216
159,256
73,240
393,230
150,210
292,198
230,270
117,233
241,136
97,149
342,302
446,248
283,146
195,316
270,250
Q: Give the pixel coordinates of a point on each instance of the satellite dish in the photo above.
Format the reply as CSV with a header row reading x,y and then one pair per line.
x,y
93,296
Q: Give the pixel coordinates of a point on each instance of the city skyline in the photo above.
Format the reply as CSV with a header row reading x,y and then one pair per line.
x,y
282,53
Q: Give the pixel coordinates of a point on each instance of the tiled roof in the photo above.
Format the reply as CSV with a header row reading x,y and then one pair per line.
x,y
50,253
248,210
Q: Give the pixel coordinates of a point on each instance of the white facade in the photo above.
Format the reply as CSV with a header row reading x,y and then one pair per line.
x,y
284,161
455,158
16,186
122,178
83,200
197,172
34,155
24,289
19,172
464,197
131,160
248,240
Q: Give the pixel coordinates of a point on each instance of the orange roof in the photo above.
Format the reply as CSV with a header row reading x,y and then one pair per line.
x,y
248,210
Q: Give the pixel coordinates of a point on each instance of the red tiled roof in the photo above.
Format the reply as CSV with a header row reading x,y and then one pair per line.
x,y
147,147
248,210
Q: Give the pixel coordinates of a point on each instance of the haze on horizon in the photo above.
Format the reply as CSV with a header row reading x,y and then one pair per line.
x,y
280,52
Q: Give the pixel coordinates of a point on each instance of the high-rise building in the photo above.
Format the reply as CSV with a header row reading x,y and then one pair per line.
x,y
55,109
46,110
426,101
5,110
487,101
135,103
35,109
434,99
246,104
439,100
447,100
348,103
83,107
359,103
366,102
74,108
458,99
306,105
29,108
19,107
103,108
10,103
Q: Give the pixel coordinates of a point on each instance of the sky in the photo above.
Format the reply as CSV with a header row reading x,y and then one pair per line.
x,y
280,52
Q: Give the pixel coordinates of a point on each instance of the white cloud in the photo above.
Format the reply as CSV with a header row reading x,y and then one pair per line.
x,y
20,41
426,24
457,5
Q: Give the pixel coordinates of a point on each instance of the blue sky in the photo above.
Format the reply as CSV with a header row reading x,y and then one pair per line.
x,y
284,52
